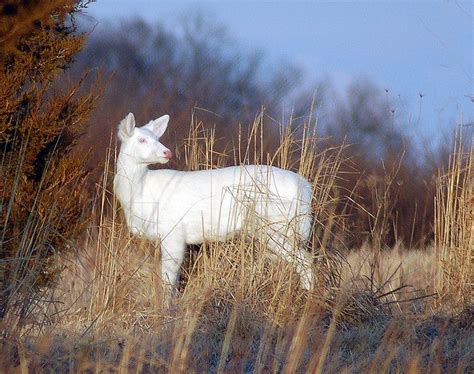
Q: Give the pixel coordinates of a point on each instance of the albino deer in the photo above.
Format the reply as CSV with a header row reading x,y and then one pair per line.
x,y
189,207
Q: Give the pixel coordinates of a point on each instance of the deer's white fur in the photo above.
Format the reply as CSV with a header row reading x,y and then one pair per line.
x,y
183,208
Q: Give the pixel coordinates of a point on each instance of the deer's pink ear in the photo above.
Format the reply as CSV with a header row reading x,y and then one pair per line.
x,y
158,126
126,127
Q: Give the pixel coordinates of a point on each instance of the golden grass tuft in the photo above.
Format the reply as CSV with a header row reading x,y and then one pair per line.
x,y
454,225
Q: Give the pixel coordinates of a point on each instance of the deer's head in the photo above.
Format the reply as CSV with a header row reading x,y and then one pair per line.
x,y
143,143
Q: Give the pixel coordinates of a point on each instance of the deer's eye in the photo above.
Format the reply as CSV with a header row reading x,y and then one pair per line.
x,y
141,140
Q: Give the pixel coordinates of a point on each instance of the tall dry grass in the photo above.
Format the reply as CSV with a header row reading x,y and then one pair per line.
x,y
454,224
235,310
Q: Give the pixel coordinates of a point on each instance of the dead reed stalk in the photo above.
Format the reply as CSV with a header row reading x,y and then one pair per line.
x,y
454,224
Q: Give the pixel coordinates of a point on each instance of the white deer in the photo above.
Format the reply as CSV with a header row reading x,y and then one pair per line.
x,y
189,207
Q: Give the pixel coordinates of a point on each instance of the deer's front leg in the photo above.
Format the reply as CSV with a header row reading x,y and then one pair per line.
x,y
172,255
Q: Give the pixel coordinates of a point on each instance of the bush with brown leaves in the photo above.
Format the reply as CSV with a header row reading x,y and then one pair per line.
x,y
41,200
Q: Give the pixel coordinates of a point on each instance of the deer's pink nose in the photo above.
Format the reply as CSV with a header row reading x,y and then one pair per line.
x,y
168,154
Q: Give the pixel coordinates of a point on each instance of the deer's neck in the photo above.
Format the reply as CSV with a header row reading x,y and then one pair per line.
x,y
129,178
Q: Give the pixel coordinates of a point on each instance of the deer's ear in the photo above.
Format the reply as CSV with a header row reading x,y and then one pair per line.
x,y
126,126
159,125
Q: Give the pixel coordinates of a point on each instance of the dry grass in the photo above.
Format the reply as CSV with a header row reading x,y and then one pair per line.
x,y
454,225
417,270
235,310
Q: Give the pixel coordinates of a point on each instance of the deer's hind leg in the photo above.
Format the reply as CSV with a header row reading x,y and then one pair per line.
x,y
289,249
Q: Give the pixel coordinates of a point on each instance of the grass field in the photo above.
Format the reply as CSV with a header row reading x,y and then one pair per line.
x,y
373,309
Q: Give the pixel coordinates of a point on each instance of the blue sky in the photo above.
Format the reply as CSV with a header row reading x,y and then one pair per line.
x,y
408,47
